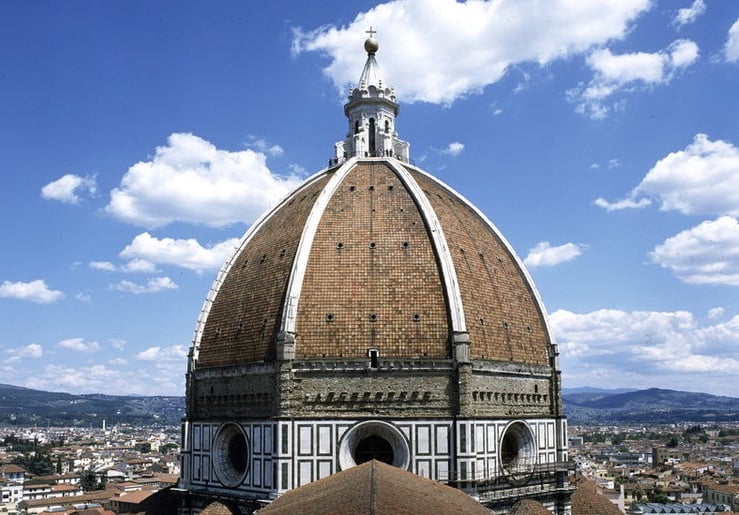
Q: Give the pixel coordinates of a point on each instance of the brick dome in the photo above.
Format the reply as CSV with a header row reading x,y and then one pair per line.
x,y
374,253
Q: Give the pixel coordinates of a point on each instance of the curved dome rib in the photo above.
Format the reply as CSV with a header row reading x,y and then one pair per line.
x,y
519,264
297,274
227,267
448,273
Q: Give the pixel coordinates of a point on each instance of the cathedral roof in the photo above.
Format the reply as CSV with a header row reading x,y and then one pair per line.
x,y
374,487
528,507
587,501
374,253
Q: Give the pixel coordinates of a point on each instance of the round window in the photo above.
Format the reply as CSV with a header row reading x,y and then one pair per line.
x,y
231,454
374,440
374,447
518,450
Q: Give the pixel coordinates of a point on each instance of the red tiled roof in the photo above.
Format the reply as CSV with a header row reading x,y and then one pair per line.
x,y
378,488
216,508
528,507
587,501
11,469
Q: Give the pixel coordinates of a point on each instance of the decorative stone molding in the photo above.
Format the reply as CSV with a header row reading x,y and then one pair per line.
x,y
285,346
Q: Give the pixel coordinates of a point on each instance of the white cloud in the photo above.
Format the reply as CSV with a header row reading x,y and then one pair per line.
x,y
705,254
458,48
717,312
731,48
153,285
34,291
79,345
183,253
95,378
173,353
32,350
134,265
83,297
543,254
87,379
68,188
453,149
118,343
682,54
688,15
261,145
140,266
164,377
624,73
638,66
103,265
190,180
621,204
615,348
702,179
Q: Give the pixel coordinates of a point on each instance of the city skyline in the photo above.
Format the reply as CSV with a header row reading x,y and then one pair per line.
x,y
141,141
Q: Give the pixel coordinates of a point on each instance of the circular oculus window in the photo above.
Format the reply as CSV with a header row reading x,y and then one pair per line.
x,y
231,454
374,440
518,451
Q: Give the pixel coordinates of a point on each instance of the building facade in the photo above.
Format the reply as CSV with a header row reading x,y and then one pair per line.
x,y
373,314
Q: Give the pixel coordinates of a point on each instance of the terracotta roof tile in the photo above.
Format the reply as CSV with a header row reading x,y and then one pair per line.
x,y
587,501
528,507
375,488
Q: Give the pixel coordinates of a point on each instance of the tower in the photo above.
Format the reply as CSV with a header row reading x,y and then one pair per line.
x,y
373,314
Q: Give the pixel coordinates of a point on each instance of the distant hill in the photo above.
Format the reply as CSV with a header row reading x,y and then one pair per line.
x,y
24,406
586,394
652,406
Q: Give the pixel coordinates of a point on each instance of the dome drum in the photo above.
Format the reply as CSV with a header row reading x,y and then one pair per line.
x,y
351,388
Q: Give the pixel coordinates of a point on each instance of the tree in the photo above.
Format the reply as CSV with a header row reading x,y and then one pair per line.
x,y
658,496
38,464
167,447
673,442
88,482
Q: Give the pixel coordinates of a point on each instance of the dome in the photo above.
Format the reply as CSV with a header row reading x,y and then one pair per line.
x,y
373,314
373,254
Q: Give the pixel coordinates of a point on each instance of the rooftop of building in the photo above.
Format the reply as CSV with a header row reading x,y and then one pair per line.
x,y
374,487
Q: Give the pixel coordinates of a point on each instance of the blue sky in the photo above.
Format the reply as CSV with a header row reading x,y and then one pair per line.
x,y
138,141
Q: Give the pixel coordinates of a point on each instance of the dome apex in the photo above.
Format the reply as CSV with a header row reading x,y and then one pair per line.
x,y
371,46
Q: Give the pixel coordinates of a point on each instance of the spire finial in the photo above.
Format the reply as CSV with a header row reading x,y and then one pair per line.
x,y
370,44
